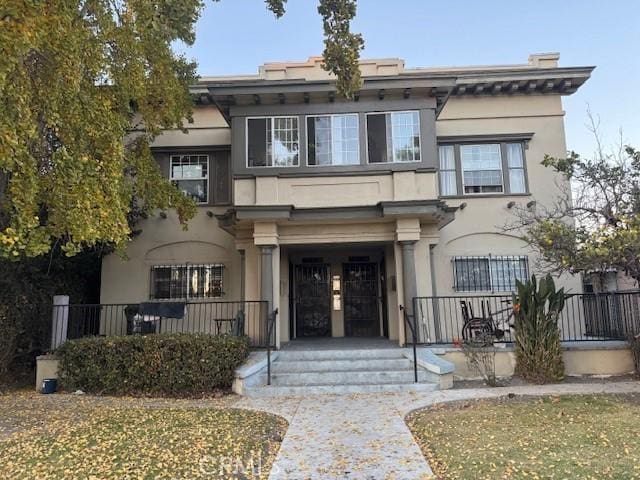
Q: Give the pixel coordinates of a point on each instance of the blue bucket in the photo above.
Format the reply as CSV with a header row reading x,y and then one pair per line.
x,y
49,385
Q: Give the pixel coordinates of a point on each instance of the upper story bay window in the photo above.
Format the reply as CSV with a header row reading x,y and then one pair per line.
x,y
393,137
190,173
273,142
333,140
483,168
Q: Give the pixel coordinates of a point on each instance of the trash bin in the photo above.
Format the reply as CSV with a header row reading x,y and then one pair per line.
x,y
49,385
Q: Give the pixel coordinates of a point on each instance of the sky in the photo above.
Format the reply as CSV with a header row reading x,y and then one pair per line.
x,y
235,36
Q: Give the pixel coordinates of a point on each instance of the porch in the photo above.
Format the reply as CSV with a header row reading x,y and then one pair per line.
x,y
593,328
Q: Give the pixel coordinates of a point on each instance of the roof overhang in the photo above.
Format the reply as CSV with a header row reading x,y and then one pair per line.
x,y
562,81
226,93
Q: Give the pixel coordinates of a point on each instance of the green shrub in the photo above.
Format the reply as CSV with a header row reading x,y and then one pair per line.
x,y
164,364
537,338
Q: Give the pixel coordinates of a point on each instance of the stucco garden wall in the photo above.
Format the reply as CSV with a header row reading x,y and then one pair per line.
x,y
585,358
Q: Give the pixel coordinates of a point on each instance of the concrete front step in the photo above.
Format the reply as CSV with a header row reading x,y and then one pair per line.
x,y
360,377
346,365
345,354
303,390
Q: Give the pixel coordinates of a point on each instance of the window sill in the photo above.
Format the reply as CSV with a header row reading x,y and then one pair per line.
x,y
485,195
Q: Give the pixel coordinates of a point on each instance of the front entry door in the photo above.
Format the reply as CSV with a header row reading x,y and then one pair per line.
x,y
312,300
361,312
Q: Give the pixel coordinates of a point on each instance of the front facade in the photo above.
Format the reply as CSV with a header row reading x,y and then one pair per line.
x,y
340,212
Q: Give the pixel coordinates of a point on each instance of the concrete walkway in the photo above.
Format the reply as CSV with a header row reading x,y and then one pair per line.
x,y
363,437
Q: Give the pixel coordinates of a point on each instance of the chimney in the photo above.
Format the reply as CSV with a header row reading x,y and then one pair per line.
x,y
544,60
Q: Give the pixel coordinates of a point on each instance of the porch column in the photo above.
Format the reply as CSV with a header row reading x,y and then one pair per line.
x,y
409,274
266,275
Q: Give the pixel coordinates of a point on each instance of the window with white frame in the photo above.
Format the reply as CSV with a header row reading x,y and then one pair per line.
x,y
273,142
515,162
481,168
447,170
187,281
489,273
393,137
333,140
190,173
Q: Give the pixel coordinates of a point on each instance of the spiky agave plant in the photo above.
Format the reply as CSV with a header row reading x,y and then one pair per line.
x,y
538,350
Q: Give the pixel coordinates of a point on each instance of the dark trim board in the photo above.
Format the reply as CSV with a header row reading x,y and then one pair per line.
x,y
336,173
486,138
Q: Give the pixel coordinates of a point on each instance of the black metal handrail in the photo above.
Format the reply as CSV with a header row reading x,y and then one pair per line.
x,y
271,322
415,340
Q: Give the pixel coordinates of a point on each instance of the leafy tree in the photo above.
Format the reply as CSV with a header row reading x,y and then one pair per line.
x,y
74,76
594,225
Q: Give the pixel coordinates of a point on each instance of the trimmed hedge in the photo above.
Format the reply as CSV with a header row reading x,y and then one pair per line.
x,y
163,364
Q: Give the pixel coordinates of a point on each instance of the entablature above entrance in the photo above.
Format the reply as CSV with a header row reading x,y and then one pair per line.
x,y
384,221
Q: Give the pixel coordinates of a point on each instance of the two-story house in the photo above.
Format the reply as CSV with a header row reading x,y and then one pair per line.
x,y
338,212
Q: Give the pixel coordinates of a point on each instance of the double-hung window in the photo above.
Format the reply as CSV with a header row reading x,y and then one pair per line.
x,y
393,137
489,273
186,281
273,142
190,173
481,168
333,140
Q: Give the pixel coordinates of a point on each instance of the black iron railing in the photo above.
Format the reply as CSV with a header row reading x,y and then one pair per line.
x,y
271,340
410,326
585,317
215,318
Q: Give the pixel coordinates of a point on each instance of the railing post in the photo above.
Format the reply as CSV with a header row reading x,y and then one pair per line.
x,y
59,320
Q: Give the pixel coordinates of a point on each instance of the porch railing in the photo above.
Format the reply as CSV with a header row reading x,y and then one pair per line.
x,y
585,317
214,318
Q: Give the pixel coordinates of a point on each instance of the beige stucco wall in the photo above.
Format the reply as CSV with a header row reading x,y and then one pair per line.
x,y
477,229
596,360
335,191
208,128
164,242
46,367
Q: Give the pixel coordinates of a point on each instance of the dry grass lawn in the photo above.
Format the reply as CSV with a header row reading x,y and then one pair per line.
x,y
569,437
66,436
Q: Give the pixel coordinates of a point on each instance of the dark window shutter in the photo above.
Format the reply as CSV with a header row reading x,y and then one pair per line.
x,y
221,180
256,138
377,138
311,140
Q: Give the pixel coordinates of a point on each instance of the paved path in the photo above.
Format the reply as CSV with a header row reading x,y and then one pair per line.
x,y
363,437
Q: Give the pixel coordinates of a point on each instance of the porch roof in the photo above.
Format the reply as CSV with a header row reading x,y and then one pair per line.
x,y
428,211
